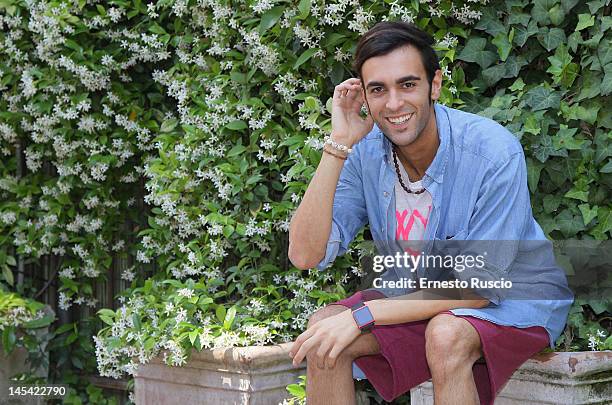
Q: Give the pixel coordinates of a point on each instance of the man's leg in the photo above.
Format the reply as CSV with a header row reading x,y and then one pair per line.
x,y
335,386
452,346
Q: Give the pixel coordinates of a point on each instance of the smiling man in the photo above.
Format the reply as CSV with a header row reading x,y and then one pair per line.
x,y
418,171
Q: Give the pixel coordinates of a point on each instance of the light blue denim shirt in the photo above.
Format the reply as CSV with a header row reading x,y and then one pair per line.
x,y
478,184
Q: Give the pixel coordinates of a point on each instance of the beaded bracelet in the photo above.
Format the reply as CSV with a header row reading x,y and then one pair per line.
x,y
337,146
334,154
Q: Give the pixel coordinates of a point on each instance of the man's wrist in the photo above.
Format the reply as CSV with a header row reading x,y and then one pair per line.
x,y
341,139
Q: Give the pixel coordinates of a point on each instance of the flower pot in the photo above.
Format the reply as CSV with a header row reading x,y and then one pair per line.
x,y
550,378
240,375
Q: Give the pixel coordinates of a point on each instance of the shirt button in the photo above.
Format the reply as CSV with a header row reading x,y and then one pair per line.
x,y
386,194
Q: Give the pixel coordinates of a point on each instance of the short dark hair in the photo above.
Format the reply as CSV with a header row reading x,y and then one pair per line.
x,y
387,36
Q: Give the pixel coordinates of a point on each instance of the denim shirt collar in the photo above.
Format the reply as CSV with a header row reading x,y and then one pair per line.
x,y
436,169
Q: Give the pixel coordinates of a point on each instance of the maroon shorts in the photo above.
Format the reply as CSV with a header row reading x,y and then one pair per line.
x,y
402,365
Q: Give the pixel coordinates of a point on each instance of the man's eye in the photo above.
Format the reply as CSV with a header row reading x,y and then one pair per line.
x,y
376,89
409,84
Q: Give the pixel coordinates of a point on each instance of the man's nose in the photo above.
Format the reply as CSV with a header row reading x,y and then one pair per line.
x,y
395,101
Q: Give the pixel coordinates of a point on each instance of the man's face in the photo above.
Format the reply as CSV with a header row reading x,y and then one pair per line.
x,y
398,94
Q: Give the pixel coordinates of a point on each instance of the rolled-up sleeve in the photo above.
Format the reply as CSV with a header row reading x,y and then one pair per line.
x,y
349,213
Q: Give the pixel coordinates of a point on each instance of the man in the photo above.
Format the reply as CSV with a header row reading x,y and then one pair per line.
x,y
424,172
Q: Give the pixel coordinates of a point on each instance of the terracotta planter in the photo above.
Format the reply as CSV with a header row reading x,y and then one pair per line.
x,y
243,375
550,378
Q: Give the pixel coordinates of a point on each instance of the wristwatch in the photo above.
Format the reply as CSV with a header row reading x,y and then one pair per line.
x,y
362,315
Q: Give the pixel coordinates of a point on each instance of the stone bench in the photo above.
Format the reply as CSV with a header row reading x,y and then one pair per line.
x,y
550,378
258,376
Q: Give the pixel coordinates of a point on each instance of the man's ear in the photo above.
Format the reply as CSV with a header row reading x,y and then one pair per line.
x,y
436,85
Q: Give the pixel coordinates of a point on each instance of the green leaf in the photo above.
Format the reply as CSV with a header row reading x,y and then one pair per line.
x,y
229,318
540,9
518,84
542,98
587,212
168,125
503,43
236,150
551,38
8,275
562,68
236,125
296,390
304,57
604,223
270,18
556,14
564,139
568,223
474,51
606,83
106,320
8,339
577,195
304,8
193,335
585,21
533,174
220,313
39,323
607,168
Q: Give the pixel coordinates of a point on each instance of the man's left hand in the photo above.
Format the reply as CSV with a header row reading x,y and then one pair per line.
x,y
328,338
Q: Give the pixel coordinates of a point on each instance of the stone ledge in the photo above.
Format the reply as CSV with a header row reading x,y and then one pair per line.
x,y
240,375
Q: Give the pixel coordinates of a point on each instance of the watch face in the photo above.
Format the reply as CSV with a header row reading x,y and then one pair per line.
x,y
363,316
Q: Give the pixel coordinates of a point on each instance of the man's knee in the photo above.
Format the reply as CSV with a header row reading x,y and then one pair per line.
x,y
325,312
452,341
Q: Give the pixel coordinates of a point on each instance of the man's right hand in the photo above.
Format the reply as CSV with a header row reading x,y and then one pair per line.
x,y
347,125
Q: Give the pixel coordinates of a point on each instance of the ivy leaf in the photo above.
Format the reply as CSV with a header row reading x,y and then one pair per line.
x,y
539,12
607,168
556,15
551,203
587,212
604,223
522,34
564,139
578,195
534,169
606,83
493,74
503,43
569,224
518,84
542,98
551,38
562,68
568,4
585,21
489,22
474,51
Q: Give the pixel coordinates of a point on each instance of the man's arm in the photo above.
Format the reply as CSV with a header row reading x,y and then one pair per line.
x,y
311,224
418,306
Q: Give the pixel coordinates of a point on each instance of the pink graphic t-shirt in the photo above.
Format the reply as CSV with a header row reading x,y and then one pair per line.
x,y
411,211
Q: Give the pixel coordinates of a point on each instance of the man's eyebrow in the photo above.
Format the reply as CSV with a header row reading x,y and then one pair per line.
x,y
398,81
